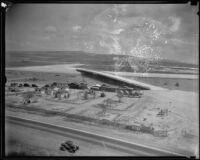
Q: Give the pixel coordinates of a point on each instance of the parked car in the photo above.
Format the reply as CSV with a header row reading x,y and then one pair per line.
x,y
74,86
107,88
46,86
26,85
34,85
103,86
54,84
69,146
96,88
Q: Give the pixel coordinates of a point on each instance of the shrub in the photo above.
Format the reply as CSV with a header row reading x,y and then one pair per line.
x,y
102,95
177,84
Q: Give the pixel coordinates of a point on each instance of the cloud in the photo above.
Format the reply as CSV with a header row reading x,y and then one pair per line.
x,y
89,46
175,24
37,38
117,31
4,5
112,28
120,29
76,28
50,29
46,38
182,42
119,34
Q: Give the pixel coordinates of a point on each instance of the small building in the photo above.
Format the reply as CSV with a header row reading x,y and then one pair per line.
x,y
65,93
136,127
146,129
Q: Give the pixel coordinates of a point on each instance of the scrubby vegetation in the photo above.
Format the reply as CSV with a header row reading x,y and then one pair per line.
x,y
177,84
18,148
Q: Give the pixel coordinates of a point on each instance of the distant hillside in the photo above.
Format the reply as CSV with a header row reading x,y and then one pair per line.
x,y
94,61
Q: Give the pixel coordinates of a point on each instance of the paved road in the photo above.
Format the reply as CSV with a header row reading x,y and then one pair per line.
x,y
104,145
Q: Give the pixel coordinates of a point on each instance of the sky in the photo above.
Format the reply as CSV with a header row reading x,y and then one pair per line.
x,y
144,30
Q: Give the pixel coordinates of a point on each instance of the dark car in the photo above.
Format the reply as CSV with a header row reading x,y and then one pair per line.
x,y
69,146
54,84
46,86
26,85
34,85
74,86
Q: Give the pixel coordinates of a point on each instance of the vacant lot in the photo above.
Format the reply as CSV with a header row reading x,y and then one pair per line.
x,y
43,143
128,111
180,105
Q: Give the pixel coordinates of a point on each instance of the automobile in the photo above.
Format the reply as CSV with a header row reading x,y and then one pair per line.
x,y
26,85
107,88
74,86
46,85
96,88
34,85
54,84
125,87
103,86
69,146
